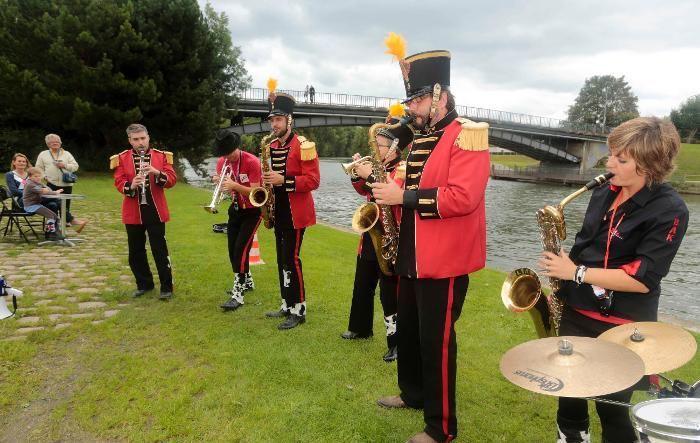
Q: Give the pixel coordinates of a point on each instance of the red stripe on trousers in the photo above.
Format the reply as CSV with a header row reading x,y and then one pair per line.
x,y
246,252
445,354
296,264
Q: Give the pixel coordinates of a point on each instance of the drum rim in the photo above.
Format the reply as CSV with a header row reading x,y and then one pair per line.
x,y
674,431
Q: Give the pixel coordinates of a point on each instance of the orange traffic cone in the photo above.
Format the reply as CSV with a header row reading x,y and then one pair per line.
x,y
255,252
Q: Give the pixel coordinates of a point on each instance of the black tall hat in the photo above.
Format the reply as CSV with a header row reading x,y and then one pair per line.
x,y
421,71
404,133
226,142
280,103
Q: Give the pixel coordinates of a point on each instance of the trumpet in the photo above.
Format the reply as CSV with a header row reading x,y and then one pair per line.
x,y
349,168
226,172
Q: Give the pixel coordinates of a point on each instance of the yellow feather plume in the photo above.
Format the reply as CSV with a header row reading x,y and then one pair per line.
x,y
395,45
271,84
397,110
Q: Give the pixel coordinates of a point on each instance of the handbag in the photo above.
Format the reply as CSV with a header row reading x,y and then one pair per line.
x,y
69,177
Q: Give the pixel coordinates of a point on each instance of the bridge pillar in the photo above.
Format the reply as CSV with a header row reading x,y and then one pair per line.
x,y
589,151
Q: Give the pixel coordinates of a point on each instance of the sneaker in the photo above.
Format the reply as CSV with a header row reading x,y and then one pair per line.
x,y
292,321
231,305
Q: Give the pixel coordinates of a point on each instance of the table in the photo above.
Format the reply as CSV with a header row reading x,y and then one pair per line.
x,y
63,197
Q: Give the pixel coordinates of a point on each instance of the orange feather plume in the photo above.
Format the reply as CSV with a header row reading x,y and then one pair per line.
x,y
395,45
397,110
271,84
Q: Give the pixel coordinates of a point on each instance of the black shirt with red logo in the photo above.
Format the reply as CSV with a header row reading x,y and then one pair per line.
x,y
646,233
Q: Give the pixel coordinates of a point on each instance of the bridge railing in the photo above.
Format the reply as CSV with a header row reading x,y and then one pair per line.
x,y
480,114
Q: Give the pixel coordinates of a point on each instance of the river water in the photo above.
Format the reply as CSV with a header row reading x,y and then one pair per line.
x,y
512,238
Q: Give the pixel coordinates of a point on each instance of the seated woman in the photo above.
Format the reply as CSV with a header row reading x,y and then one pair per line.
x,y
33,192
17,177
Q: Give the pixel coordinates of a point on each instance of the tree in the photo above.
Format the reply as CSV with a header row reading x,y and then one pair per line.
x,y
604,100
687,118
85,69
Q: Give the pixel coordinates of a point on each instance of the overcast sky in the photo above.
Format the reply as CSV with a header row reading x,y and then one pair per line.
x,y
522,56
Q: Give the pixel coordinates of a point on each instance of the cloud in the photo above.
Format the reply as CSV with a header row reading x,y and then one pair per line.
x,y
520,56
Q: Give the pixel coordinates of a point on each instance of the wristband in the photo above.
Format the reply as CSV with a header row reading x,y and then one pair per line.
x,y
580,274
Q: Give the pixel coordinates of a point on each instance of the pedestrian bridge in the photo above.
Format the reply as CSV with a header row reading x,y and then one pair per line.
x,y
546,139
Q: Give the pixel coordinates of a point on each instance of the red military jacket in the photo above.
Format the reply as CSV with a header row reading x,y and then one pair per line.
x,y
397,174
451,223
246,171
302,175
125,170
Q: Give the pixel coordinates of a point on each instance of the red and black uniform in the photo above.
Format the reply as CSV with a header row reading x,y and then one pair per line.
x,y
243,217
645,233
296,160
140,219
368,274
442,240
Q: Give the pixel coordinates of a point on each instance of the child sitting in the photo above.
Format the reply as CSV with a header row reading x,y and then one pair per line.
x,y
33,191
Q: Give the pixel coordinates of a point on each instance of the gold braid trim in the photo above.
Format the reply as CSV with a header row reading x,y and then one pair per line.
x,y
400,171
308,149
473,136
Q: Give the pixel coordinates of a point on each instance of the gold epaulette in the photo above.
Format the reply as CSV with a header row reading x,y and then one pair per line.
x,y
473,136
114,160
168,155
308,149
400,171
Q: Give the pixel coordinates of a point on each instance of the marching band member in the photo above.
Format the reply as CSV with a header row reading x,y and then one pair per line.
x,y
243,218
142,174
294,174
442,239
367,272
630,234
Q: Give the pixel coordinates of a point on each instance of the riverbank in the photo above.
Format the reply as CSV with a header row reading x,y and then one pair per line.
x,y
184,371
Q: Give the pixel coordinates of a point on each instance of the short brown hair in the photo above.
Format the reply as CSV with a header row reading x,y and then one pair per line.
x,y
653,143
34,170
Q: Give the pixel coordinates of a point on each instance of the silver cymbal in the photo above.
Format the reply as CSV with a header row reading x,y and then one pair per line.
x,y
661,346
571,366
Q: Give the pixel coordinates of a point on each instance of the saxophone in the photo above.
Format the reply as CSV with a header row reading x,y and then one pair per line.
x,y
264,196
384,236
522,290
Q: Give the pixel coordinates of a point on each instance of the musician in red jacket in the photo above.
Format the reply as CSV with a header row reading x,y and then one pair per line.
x,y
242,174
442,241
390,142
294,174
142,174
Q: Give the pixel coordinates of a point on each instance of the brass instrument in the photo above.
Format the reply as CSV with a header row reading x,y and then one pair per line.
x,y
218,195
385,237
522,290
142,173
264,196
349,168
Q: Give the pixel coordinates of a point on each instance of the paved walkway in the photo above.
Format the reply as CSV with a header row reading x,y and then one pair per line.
x,y
63,285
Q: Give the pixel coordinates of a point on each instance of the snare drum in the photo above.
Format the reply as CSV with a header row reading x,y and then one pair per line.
x,y
668,420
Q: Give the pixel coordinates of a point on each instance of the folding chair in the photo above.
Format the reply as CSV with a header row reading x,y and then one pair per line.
x,y
15,216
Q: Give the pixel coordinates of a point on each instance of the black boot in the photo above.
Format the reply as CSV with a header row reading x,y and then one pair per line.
x,y
391,354
292,322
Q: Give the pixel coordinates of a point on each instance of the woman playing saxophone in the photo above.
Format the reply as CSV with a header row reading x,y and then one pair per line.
x,y
630,234
368,271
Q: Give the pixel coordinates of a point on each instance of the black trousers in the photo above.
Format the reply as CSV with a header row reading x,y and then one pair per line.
x,y
138,261
427,349
66,190
242,224
367,275
572,416
288,243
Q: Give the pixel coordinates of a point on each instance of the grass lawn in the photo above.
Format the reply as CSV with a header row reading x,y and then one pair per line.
x,y
183,371
513,160
688,161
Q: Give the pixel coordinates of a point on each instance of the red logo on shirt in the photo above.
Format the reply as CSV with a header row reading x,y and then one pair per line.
x,y
672,231
616,233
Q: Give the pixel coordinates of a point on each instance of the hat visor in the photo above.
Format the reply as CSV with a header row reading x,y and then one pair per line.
x,y
277,112
415,94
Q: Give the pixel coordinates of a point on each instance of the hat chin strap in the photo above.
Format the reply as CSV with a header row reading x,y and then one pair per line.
x,y
437,89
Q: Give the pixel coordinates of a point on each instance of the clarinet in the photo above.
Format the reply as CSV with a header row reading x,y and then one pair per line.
x,y
142,160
